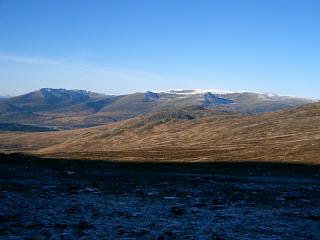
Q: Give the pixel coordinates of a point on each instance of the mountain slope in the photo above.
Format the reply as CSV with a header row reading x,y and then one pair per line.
x,y
4,97
23,128
290,135
47,99
54,107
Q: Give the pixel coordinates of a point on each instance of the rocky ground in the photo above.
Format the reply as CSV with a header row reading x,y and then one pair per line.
x,y
81,200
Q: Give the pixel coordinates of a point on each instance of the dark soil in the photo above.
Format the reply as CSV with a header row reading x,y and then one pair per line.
x,y
57,199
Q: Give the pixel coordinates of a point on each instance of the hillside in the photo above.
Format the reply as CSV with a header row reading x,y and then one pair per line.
x,y
70,109
4,97
24,128
186,135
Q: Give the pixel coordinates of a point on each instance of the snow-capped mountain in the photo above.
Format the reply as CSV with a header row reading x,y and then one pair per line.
x,y
195,91
185,92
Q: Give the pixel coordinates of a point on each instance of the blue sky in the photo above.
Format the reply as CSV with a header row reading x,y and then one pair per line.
x,y
126,46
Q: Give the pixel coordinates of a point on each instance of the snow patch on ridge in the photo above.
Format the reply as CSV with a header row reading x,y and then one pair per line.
x,y
266,95
195,91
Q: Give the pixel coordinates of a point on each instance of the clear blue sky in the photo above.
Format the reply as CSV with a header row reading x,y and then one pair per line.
x,y
126,46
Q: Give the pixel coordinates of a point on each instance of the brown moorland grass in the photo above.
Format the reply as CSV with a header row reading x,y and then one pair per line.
x,y
285,136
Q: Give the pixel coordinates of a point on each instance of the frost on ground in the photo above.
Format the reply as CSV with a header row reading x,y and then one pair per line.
x,y
49,201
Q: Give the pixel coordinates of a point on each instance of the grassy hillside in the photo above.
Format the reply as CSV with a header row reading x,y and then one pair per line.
x,y
186,135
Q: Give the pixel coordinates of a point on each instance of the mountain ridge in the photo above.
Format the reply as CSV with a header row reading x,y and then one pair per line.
x,y
70,109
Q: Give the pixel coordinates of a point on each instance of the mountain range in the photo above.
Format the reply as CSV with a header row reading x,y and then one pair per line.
x,y
175,125
60,109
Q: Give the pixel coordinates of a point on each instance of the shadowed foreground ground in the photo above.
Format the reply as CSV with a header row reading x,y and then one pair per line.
x,y
57,199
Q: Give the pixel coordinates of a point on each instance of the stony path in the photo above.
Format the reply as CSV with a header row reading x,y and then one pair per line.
x,y
50,203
